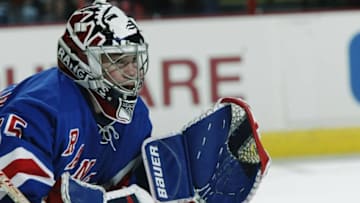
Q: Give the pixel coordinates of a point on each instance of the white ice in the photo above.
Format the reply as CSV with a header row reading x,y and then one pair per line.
x,y
315,180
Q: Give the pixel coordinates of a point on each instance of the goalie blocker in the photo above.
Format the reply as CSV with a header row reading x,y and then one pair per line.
x,y
218,157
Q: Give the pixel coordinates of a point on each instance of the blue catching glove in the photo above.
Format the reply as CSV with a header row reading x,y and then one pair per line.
x,y
218,157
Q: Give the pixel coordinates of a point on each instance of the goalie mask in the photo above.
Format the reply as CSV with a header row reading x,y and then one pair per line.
x,y
103,51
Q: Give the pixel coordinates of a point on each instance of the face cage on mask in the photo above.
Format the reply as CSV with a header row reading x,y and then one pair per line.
x,y
131,85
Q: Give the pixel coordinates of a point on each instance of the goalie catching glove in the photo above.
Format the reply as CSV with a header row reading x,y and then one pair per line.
x,y
216,158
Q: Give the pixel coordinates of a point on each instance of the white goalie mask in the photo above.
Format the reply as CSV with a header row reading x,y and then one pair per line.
x,y
103,50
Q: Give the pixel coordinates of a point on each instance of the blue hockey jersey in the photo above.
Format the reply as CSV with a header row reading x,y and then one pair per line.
x,y
47,127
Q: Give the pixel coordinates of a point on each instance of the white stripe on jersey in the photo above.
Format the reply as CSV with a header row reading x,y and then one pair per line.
x,y
18,155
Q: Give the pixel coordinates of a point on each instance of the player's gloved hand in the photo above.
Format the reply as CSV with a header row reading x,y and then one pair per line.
x,y
70,190
227,141
218,157
130,194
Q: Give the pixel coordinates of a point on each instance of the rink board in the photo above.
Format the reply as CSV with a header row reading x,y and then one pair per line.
x,y
299,74
316,142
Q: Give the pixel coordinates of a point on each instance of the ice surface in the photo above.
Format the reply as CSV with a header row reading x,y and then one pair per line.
x,y
315,180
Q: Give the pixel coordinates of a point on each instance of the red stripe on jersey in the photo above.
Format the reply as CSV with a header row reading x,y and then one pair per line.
x,y
27,166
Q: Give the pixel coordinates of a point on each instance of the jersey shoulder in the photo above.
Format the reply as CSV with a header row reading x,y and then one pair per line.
x,y
50,91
